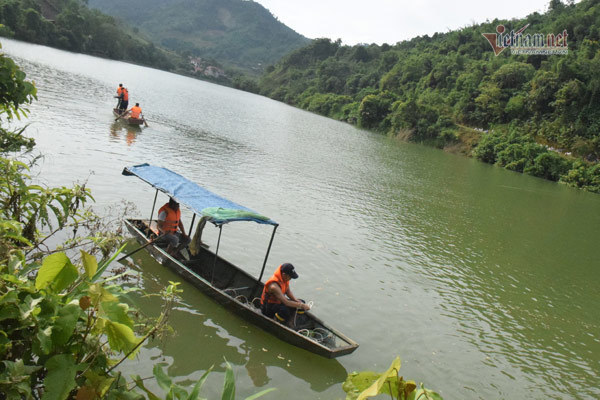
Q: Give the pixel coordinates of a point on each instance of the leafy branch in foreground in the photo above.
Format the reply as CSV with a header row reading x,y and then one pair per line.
x,y
363,385
175,391
14,92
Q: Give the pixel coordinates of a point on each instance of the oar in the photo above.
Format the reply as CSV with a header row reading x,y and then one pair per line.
x,y
144,119
120,116
141,247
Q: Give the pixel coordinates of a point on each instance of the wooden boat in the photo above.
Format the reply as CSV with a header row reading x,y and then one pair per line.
x,y
130,120
224,282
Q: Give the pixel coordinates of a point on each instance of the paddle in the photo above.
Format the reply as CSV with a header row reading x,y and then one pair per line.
x,y
121,116
144,119
141,247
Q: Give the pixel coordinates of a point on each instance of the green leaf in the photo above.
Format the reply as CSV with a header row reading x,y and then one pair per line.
x,y
18,368
65,323
116,312
15,380
89,263
104,264
56,272
140,383
357,382
120,337
177,392
376,387
229,384
99,382
196,390
424,394
162,379
99,294
44,340
9,311
61,377
29,306
260,394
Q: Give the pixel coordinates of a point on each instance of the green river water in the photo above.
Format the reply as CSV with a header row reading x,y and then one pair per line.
x,y
483,281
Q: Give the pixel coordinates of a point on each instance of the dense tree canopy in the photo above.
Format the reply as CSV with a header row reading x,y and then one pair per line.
x,y
71,25
542,112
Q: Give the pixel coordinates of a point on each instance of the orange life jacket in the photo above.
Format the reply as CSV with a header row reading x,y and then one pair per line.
x,y
171,222
119,90
125,94
135,112
277,278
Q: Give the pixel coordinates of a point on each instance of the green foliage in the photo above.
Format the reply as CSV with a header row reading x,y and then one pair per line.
x,y
36,207
549,165
367,384
517,151
70,25
174,391
237,33
15,92
374,108
64,325
583,175
425,88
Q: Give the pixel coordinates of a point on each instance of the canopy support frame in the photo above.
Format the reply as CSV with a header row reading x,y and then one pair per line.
x,y
192,225
262,271
212,274
153,205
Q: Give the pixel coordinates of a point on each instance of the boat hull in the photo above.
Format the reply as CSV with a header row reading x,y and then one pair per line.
x,y
233,288
129,120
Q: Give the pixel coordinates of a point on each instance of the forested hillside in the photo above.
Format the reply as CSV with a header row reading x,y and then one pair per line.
x,y
538,114
233,32
70,25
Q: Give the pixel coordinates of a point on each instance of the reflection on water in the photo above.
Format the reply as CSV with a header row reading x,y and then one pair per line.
x,y
483,281
120,130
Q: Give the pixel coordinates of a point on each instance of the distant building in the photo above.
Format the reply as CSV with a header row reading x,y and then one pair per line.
x,y
201,66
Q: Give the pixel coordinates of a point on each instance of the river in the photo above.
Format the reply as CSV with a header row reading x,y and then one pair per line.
x,y
483,281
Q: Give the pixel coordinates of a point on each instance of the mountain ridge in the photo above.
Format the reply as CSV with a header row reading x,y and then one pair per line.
x,y
236,33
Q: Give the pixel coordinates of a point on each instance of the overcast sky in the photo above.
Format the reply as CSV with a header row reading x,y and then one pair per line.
x,y
391,21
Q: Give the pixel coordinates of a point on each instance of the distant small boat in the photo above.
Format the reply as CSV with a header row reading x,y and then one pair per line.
x,y
129,120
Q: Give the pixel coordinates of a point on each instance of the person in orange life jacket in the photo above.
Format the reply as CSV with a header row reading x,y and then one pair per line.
x,y
277,299
135,111
118,96
170,225
124,100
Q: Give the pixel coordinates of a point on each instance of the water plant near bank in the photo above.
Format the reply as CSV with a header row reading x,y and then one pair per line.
x,y
367,384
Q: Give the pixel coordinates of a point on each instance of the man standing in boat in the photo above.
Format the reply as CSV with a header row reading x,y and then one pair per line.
x,y
118,96
277,299
169,222
124,100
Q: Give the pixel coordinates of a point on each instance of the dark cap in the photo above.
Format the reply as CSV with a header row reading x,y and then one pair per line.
x,y
288,268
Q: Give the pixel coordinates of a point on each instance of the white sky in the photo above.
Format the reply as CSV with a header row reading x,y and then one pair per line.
x,y
391,21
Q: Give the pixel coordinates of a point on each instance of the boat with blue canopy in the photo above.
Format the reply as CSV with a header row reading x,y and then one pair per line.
x,y
221,280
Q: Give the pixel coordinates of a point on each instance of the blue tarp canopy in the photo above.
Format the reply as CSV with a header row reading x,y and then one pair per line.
x,y
200,200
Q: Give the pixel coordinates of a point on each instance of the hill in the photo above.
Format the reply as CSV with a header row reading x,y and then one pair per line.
x,y
238,33
70,25
538,114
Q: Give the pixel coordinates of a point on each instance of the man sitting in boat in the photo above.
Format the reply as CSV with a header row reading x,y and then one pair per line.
x,y
277,300
135,111
169,222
